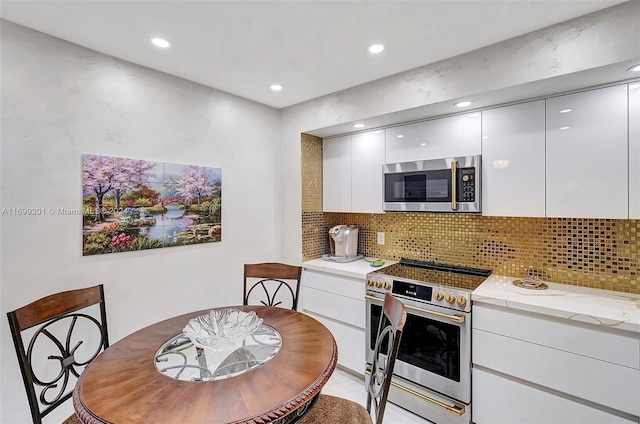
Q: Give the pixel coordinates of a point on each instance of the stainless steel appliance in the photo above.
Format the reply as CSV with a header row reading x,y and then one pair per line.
x,y
432,375
343,240
435,185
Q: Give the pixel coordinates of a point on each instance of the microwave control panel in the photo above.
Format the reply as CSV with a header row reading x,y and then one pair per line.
x,y
467,185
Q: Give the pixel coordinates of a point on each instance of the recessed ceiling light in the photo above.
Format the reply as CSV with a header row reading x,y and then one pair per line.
x,y
376,48
564,128
423,144
565,111
635,68
399,136
463,103
160,42
275,87
358,125
377,132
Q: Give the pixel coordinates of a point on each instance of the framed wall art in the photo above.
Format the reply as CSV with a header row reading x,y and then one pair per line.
x,y
132,204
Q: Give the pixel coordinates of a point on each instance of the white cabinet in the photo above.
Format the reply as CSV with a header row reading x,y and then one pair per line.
x,y
338,303
336,174
439,138
634,150
586,155
352,173
367,158
513,160
580,373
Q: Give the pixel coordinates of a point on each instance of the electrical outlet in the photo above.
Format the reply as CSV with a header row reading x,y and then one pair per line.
x,y
380,238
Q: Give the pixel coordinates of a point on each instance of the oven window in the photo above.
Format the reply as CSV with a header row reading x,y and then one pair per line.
x,y
428,344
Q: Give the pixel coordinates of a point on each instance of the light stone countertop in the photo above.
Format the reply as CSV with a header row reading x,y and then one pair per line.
x,y
600,307
356,269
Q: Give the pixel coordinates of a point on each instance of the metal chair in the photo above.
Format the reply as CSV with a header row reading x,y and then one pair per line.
x,y
330,409
64,332
272,284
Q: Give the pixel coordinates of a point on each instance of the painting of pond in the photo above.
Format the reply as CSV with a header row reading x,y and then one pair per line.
x,y
132,204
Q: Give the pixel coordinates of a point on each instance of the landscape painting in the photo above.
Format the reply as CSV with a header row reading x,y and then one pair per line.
x,y
131,204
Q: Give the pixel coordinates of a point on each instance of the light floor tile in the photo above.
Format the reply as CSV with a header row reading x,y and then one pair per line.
x,y
350,387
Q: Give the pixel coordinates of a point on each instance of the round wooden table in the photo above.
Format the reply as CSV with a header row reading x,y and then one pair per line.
x,y
122,385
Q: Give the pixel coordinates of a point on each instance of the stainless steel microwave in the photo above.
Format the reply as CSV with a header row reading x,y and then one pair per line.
x,y
435,185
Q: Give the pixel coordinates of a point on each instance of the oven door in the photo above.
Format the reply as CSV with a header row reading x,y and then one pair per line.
x,y
435,349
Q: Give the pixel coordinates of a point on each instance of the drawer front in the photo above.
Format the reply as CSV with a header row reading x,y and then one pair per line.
x,y
344,286
341,308
616,347
498,400
351,344
597,381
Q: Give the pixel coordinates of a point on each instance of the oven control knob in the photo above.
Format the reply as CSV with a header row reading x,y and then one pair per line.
x,y
461,300
369,282
438,296
387,285
449,298
378,283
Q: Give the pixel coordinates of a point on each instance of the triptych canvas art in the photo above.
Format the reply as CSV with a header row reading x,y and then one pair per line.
x,y
132,204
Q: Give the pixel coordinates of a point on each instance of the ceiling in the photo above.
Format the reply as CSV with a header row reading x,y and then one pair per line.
x,y
311,48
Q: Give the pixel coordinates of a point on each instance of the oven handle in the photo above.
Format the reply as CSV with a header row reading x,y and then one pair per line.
x,y
454,409
456,318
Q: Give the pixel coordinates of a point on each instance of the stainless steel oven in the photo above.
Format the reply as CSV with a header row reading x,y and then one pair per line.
x,y
432,375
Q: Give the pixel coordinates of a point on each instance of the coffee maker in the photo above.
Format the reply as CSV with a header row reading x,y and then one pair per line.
x,y
343,240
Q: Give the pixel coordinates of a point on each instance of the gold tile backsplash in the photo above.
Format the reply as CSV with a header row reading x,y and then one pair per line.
x,y
597,253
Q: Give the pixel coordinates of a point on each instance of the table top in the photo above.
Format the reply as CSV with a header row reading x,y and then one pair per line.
x,y
123,385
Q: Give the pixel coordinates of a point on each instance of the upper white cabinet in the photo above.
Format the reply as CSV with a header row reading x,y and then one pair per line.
x,y
367,158
513,160
439,138
336,174
352,173
634,150
586,157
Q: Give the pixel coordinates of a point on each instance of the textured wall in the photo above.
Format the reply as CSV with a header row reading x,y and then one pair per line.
x,y
60,101
597,253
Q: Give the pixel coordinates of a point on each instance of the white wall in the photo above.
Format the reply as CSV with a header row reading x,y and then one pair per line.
x,y
60,101
548,59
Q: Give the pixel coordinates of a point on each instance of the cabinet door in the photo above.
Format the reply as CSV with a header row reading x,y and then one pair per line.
x,y
513,155
439,138
336,174
634,150
587,155
367,158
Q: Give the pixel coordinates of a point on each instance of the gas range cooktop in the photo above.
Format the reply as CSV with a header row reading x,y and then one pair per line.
x,y
437,273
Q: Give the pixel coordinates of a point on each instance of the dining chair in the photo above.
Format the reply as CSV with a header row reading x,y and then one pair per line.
x,y
331,409
272,284
55,338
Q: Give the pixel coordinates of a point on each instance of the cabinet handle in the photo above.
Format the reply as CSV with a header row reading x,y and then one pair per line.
x,y
456,318
454,194
454,409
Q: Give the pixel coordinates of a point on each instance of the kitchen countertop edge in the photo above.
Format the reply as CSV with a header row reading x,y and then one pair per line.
x,y
356,269
606,308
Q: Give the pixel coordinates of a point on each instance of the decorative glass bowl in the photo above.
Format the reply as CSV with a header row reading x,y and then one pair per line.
x,y
221,329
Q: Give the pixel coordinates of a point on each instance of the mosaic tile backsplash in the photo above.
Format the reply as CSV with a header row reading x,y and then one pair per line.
x,y
596,253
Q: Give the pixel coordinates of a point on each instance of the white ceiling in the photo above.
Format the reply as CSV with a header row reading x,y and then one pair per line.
x,y
312,48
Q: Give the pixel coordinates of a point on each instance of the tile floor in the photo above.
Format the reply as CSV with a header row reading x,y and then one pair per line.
x,y
351,387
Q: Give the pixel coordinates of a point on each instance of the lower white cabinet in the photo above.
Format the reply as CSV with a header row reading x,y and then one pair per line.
x,y
338,303
500,400
529,368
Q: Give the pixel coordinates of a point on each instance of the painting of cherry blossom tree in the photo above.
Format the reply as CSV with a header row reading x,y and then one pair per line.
x,y
132,204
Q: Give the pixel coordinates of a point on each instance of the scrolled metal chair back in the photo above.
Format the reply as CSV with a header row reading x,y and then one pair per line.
x,y
387,345
275,284
64,332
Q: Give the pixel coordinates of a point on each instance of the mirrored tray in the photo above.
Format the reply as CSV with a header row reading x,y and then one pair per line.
x,y
181,359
